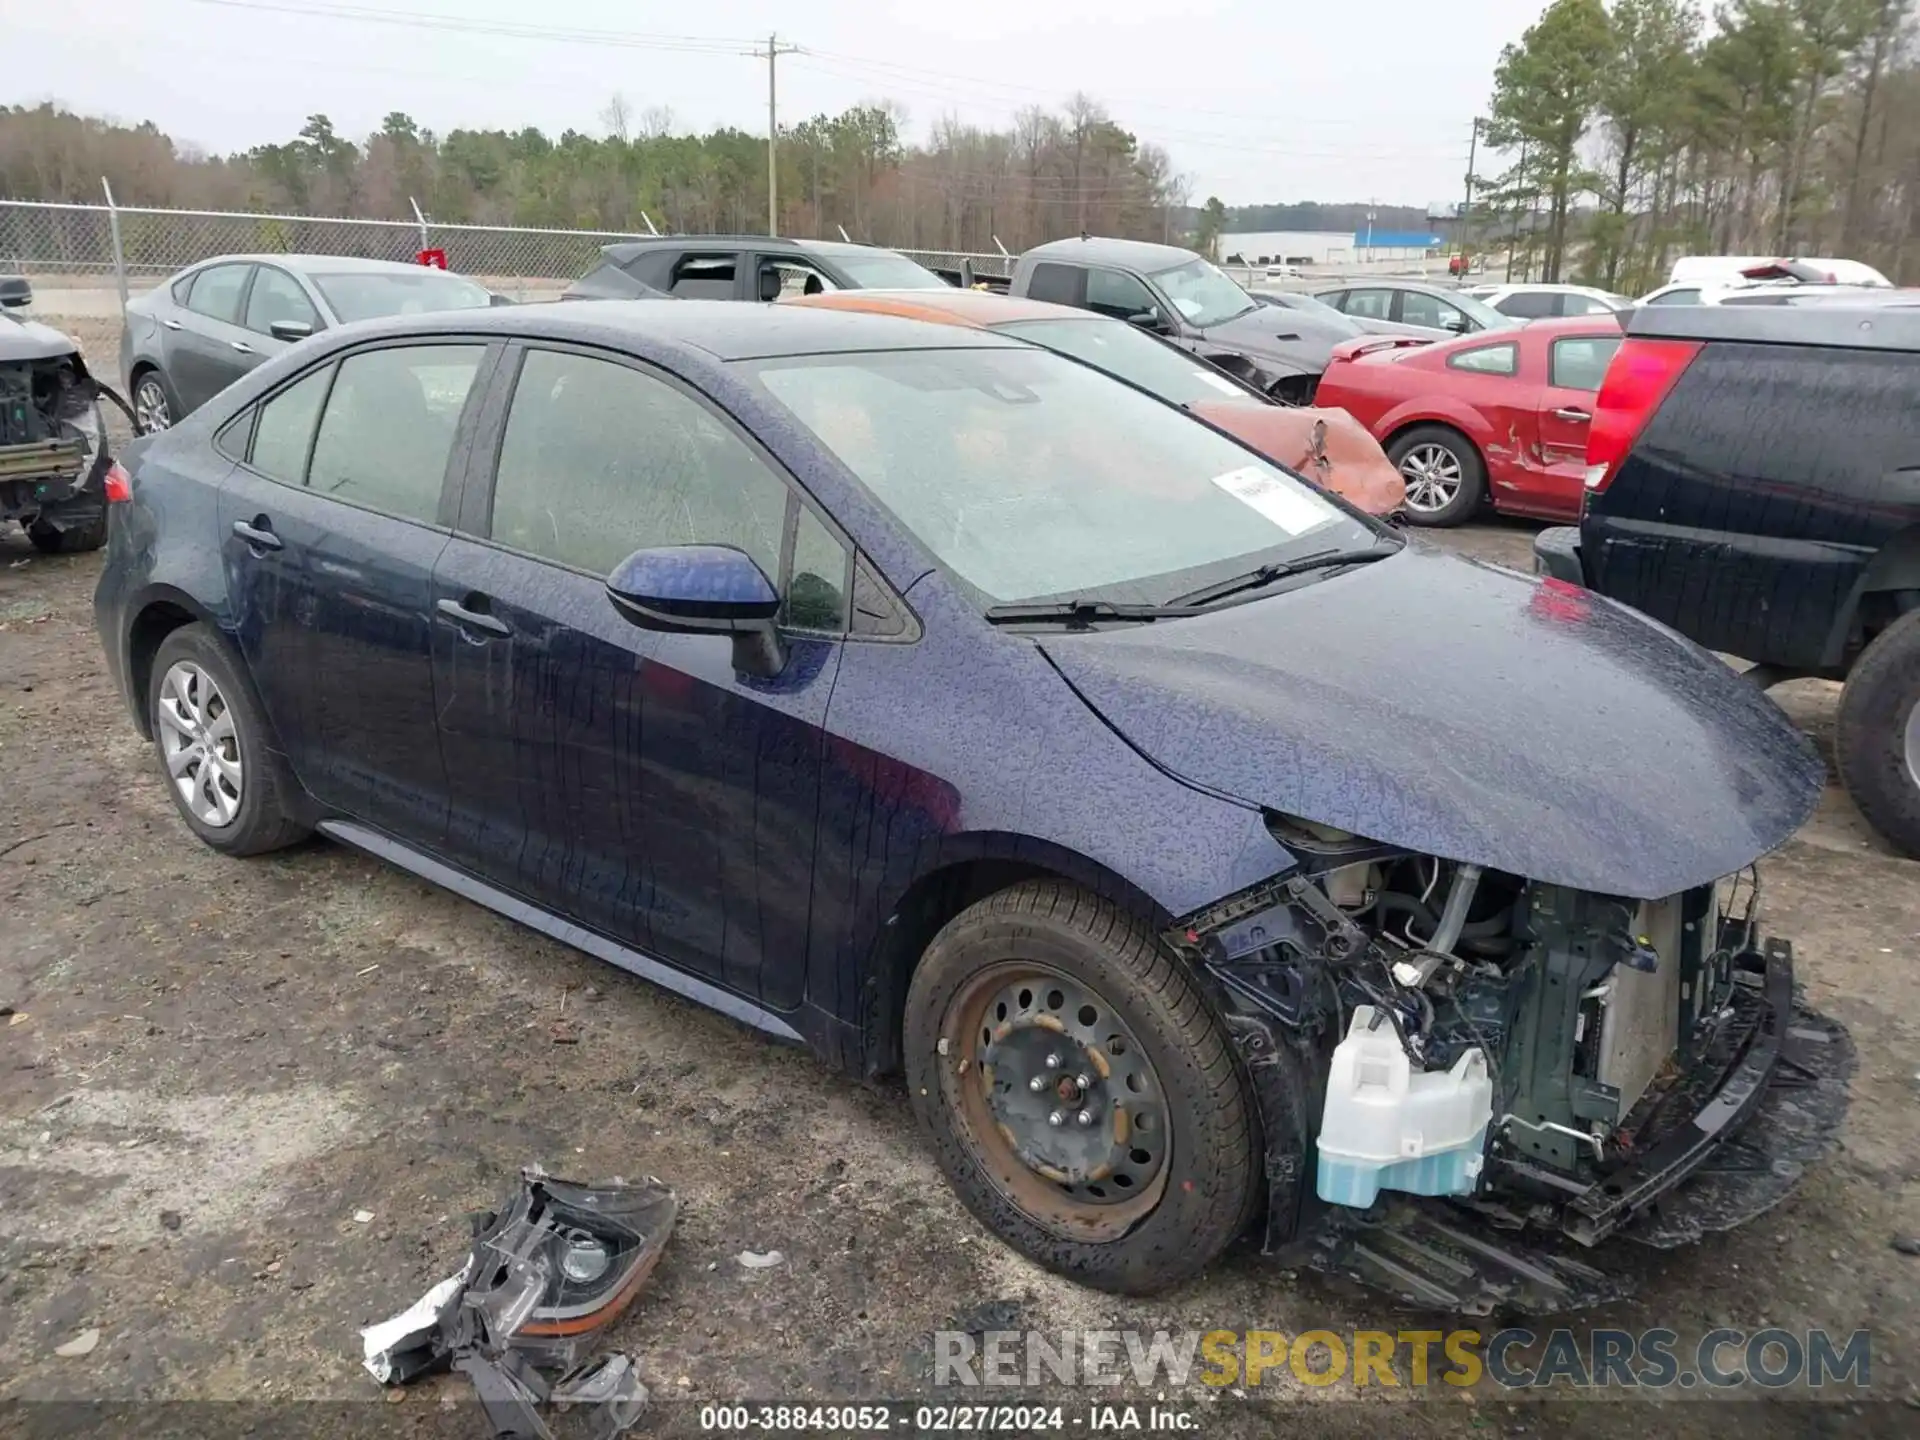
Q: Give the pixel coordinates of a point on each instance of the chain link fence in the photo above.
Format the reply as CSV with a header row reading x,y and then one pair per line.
x,y
68,246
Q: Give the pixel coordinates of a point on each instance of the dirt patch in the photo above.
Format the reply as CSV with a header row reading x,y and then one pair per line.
x,y
223,1063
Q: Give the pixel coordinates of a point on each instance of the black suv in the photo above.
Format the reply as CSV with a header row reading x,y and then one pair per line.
x,y
744,267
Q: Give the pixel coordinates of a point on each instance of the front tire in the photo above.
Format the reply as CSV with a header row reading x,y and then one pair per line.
x,y
1082,1096
1877,743
1446,478
233,791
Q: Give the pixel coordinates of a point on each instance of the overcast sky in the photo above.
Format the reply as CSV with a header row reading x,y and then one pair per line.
x,y
1273,101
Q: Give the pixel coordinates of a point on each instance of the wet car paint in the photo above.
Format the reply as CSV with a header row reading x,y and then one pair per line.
x,y
1461,710
780,837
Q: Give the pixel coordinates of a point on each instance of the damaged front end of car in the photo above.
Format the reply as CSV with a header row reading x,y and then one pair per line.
x,y
1468,1078
53,450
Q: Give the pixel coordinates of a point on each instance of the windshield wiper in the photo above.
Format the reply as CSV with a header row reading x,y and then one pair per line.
x,y
1082,612
1280,570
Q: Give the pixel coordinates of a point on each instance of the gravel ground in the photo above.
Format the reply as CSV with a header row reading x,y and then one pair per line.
x,y
214,1067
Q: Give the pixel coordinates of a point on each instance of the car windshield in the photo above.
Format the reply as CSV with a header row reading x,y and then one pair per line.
x,y
884,270
1202,294
369,294
1030,477
1134,356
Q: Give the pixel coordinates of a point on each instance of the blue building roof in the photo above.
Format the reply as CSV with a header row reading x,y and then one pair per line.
x,y
1397,240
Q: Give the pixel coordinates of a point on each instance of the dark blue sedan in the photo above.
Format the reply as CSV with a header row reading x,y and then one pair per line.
x,y
958,710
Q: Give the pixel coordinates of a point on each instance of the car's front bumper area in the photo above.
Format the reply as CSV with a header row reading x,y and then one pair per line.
x,y
1721,1145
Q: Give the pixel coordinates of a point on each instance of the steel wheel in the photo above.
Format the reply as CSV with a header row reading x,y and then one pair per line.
x,y
150,411
1433,476
201,744
1062,1108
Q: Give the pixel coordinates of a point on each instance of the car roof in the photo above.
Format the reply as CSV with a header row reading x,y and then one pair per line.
x,y
981,309
621,251
1384,282
319,264
724,329
1096,250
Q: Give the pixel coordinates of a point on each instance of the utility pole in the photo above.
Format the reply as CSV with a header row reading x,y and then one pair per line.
x,y
1466,206
771,54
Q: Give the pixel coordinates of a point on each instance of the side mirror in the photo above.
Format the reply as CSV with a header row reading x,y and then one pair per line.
x,y
1457,325
15,291
290,329
495,299
703,590
1149,320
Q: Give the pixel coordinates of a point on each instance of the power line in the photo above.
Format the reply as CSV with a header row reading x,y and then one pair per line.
x,y
367,15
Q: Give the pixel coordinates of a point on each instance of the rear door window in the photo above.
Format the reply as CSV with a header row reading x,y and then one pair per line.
x,y
1369,304
705,277
217,290
389,427
1058,285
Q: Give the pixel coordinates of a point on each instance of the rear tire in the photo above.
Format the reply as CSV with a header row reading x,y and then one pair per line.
x,y
1877,742
155,406
1046,968
1446,478
210,740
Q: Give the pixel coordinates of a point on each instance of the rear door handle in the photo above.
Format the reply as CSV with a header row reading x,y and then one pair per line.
x,y
472,619
242,346
260,536
171,324
1568,412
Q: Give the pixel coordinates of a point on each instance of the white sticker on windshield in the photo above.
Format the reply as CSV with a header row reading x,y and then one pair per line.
x,y
1220,383
1294,511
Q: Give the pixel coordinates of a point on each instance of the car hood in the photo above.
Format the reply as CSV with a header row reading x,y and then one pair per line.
x,y
1274,332
22,339
1469,712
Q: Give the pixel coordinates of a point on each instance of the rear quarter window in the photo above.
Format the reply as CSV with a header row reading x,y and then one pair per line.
x,y
1487,360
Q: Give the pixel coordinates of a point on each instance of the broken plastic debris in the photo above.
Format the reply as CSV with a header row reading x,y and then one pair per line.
x,y
544,1278
755,1260
363,1217
81,1344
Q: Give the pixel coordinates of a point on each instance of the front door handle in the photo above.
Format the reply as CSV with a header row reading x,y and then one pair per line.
x,y
472,619
1570,413
171,324
242,346
258,534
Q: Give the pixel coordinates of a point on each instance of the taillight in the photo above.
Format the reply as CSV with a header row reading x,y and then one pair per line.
x,y
119,484
1642,373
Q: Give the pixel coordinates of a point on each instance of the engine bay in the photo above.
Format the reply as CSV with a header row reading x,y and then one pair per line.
x,y
1587,1012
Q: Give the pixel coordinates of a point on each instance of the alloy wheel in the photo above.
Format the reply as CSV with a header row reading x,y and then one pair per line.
x,y
1432,473
1912,744
150,412
1062,1108
201,744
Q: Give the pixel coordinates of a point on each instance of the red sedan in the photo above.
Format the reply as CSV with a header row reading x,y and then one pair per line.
x,y
1496,416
